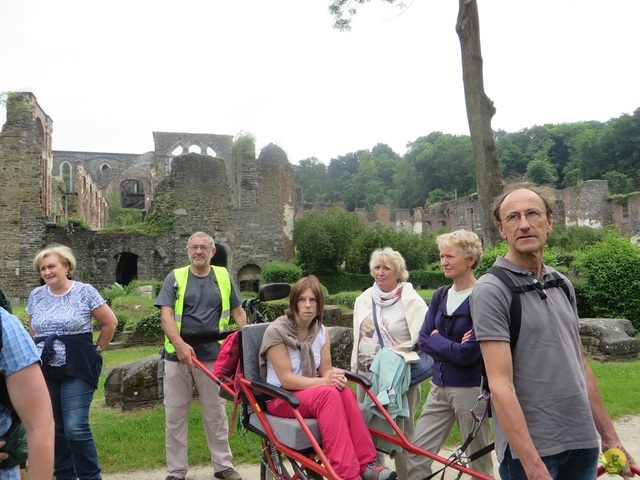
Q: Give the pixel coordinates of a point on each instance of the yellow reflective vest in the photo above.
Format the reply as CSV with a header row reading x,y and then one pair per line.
x,y
224,284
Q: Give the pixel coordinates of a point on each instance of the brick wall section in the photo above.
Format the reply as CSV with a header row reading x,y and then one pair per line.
x,y
584,206
25,199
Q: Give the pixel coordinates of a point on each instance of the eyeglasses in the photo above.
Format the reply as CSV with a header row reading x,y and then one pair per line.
x,y
195,248
531,215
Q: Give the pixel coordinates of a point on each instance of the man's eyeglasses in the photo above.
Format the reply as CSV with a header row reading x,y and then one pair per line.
x,y
195,248
531,215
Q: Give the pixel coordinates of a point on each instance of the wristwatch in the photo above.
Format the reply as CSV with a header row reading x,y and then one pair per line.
x,y
99,349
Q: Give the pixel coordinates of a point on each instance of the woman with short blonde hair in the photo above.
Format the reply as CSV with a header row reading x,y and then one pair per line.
x,y
60,320
391,313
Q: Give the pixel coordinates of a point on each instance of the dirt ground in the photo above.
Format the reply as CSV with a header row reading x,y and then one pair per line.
x,y
628,428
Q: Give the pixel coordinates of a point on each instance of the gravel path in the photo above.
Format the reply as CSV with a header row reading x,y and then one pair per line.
x,y
628,428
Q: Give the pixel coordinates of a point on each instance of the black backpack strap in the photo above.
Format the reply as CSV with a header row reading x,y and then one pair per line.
x,y
558,281
515,309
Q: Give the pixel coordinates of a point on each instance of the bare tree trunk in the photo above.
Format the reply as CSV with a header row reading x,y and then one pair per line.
x,y
480,110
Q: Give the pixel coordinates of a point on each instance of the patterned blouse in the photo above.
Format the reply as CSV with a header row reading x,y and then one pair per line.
x,y
66,314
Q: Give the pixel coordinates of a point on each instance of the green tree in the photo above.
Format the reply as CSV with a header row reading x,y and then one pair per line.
x,y
311,175
370,239
540,170
323,239
512,148
586,157
339,173
418,251
407,184
438,195
609,279
618,182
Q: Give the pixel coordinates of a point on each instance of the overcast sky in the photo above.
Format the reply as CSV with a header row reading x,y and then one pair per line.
x,y
111,73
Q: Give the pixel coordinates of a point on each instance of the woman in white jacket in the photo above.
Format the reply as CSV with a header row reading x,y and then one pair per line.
x,y
400,312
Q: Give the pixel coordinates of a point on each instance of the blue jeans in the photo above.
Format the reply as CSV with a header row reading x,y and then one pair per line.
x,y
76,456
579,464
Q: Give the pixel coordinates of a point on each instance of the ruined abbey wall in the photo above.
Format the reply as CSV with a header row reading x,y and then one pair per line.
x,y
247,203
244,202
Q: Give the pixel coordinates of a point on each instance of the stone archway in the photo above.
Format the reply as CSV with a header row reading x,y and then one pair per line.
x,y
220,258
126,268
249,278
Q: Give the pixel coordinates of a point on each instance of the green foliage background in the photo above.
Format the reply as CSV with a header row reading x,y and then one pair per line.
x,y
609,278
440,166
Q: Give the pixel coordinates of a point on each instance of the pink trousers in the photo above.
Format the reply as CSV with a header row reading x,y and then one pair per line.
x,y
345,436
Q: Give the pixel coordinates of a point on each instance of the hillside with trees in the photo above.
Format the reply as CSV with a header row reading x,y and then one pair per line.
x,y
440,166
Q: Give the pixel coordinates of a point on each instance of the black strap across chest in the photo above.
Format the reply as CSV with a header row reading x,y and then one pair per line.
x,y
515,309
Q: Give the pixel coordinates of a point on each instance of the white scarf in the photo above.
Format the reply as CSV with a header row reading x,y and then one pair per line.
x,y
385,299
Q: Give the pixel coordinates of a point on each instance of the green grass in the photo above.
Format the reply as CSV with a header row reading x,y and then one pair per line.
x,y
134,306
426,295
135,440
620,386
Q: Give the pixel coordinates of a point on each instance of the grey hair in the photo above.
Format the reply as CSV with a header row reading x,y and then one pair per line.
x,y
389,257
202,235
467,242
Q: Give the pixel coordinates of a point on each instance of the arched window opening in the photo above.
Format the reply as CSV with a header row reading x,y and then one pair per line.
x,y
220,258
249,278
132,194
66,177
126,268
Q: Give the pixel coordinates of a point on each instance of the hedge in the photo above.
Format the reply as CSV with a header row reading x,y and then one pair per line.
x,y
347,282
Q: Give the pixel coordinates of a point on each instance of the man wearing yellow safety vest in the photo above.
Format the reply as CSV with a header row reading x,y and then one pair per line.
x,y
196,303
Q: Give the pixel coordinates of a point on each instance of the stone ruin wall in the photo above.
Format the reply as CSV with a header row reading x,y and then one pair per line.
x,y
247,204
244,202
25,186
587,205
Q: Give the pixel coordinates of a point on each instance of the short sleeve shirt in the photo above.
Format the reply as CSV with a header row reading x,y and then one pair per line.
x,y
66,314
548,372
201,311
18,352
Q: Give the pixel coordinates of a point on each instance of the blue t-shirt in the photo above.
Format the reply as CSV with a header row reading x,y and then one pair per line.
x,y
18,352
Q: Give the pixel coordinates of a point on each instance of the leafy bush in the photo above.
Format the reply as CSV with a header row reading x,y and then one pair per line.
x,y
417,250
23,317
122,324
341,281
609,273
150,325
570,239
323,239
272,310
111,292
346,299
277,271
428,278
347,282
